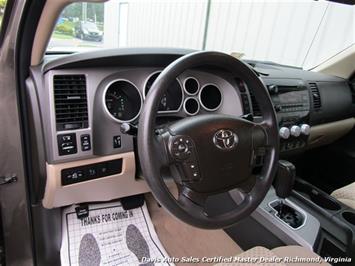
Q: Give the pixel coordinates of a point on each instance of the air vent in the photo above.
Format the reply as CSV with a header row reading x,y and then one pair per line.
x,y
255,105
70,102
317,103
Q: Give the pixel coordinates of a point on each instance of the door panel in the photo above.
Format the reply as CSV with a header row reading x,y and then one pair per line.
x,y
13,196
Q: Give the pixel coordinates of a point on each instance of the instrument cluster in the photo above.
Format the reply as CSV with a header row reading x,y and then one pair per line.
x,y
123,100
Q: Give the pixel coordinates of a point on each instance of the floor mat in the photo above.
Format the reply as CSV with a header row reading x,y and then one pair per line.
x,y
110,236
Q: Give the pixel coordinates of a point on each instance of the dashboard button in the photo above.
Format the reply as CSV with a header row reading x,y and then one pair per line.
x,y
70,176
92,172
117,142
102,169
85,142
67,144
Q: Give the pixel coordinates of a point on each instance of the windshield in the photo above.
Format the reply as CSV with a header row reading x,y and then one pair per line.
x,y
298,33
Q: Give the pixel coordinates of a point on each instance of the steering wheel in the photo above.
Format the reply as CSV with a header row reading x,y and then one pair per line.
x,y
210,153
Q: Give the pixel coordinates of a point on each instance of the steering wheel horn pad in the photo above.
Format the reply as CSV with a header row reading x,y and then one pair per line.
x,y
220,146
211,153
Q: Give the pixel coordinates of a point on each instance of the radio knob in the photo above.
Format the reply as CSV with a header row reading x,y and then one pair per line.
x,y
284,133
295,131
305,129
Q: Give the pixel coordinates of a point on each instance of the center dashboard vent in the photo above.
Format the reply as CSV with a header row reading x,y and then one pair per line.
x,y
70,99
317,103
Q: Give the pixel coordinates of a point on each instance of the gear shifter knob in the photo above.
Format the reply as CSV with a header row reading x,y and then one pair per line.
x,y
285,178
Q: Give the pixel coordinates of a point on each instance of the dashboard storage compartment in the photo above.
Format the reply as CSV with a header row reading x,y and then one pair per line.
x,y
349,216
318,197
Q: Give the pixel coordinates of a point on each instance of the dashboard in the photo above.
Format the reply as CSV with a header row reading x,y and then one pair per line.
x,y
79,102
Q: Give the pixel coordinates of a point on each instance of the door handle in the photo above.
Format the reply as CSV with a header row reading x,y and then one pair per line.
x,y
8,179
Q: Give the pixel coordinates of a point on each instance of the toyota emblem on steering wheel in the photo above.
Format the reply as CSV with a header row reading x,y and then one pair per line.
x,y
225,139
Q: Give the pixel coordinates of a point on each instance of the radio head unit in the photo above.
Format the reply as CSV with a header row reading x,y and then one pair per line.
x,y
291,101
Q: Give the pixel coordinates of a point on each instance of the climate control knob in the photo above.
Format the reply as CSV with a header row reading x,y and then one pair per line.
x,y
295,131
305,129
284,133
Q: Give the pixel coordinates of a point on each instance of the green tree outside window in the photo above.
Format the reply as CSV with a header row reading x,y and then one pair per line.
x,y
2,9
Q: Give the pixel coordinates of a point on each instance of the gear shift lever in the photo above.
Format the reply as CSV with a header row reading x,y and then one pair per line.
x,y
284,181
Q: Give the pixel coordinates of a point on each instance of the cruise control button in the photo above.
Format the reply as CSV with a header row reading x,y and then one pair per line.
x,y
191,172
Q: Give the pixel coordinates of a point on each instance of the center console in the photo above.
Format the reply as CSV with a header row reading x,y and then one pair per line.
x,y
281,216
296,212
337,221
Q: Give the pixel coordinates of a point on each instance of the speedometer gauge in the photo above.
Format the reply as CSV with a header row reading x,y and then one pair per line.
x,y
172,99
123,101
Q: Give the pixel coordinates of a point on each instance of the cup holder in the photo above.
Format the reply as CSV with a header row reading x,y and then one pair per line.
x,y
319,198
349,217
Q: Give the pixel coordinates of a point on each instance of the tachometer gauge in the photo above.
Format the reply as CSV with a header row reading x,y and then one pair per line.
x,y
171,100
123,101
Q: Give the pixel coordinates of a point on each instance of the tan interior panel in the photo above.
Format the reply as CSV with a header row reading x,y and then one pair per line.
x,y
101,189
327,133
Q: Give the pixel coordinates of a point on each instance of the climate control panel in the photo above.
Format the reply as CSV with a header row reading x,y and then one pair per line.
x,y
294,136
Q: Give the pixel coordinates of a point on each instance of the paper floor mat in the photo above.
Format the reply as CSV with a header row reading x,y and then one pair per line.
x,y
110,236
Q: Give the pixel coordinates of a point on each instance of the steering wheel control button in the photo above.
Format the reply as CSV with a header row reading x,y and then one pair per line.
x,y
181,148
225,139
284,133
67,144
191,172
295,131
305,129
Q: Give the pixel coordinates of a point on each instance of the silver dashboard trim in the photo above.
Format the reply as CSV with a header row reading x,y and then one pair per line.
x,y
201,103
104,101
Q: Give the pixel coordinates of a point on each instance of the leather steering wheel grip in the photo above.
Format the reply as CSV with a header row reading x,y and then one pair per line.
x,y
151,154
